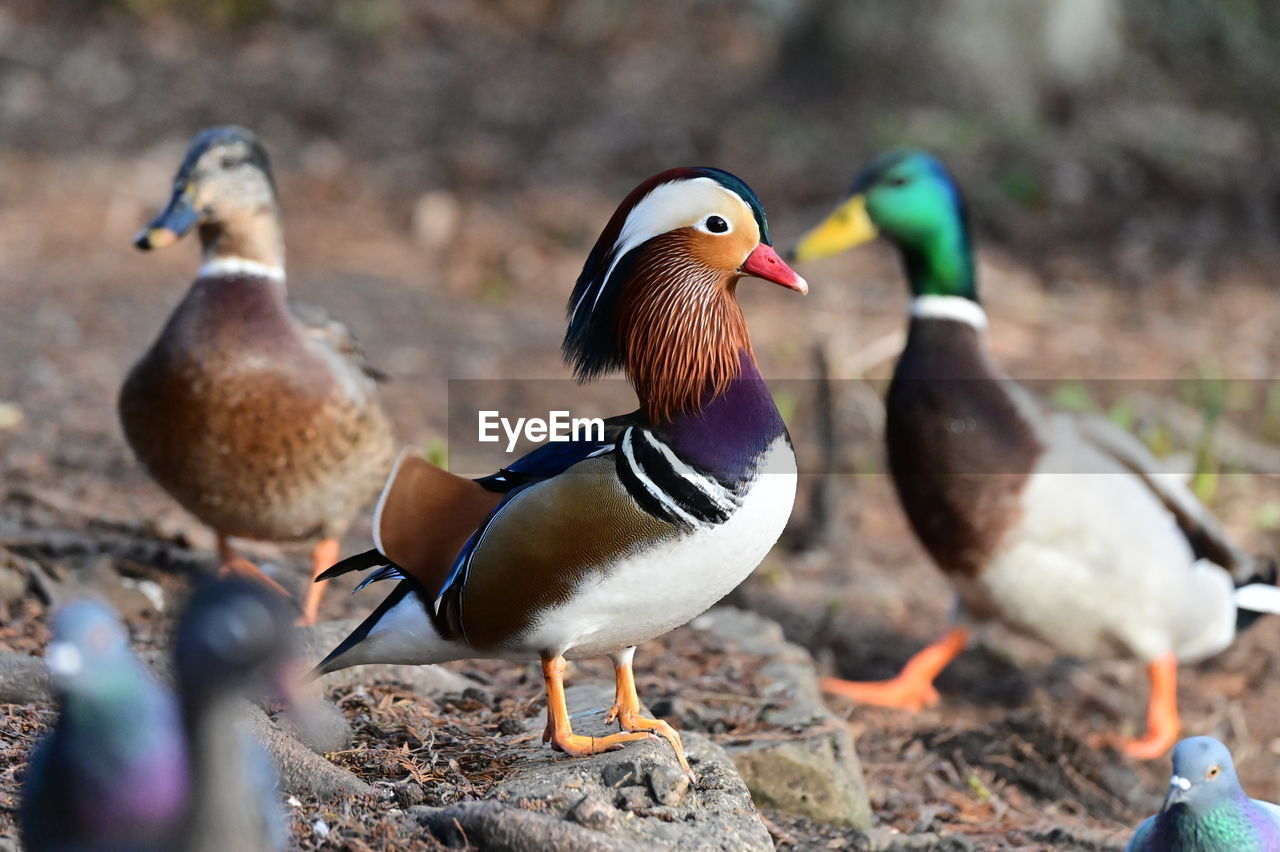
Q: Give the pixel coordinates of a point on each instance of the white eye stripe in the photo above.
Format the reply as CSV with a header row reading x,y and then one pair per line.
x,y
677,204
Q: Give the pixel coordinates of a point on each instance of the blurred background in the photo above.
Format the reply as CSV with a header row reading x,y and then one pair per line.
x,y
1127,128
445,166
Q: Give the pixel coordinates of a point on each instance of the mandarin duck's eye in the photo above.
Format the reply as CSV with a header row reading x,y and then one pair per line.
x,y
716,225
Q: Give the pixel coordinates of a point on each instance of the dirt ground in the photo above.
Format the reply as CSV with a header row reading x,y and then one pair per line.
x,y
1002,761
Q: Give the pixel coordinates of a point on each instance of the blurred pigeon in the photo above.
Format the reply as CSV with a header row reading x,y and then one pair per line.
x,y
113,774
1206,811
234,642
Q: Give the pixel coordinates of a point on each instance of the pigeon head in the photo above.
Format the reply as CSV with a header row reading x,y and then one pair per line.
x,y
1204,776
235,638
89,651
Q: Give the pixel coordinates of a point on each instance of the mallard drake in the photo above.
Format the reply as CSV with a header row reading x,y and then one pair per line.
x,y
112,774
589,548
1206,810
1059,525
262,420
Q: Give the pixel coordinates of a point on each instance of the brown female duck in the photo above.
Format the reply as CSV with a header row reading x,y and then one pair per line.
x,y
260,418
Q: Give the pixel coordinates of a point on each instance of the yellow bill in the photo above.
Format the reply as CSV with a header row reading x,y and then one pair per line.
x,y
179,217
846,227
155,238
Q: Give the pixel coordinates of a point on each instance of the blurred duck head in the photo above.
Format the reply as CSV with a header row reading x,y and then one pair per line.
x,y
225,187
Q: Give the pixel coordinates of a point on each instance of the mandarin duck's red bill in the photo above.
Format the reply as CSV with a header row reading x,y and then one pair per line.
x,y
592,547
1061,526
259,417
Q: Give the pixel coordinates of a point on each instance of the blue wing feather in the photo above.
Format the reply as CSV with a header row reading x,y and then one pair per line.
x,y
545,462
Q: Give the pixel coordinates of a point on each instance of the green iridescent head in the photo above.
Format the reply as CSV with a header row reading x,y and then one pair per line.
x,y
908,197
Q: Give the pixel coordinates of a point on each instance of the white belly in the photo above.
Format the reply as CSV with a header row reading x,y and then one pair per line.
x,y
1098,565
670,585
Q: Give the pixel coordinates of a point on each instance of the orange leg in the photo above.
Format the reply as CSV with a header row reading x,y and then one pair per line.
x,y
913,688
626,709
1163,723
559,732
235,565
323,557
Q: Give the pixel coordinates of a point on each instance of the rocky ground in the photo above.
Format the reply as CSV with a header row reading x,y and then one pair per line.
x,y
443,175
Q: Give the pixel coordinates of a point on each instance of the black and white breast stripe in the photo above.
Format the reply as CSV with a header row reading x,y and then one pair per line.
x,y
667,487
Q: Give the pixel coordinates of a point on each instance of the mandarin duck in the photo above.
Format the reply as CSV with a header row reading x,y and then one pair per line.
x,y
261,419
591,547
113,772
1206,810
233,642
1060,526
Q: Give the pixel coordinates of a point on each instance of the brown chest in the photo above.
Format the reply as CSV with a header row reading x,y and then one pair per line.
x,y
959,449
244,424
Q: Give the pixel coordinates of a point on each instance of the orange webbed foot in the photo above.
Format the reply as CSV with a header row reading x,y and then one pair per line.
x,y
631,721
626,710
902,693
913,688
577,745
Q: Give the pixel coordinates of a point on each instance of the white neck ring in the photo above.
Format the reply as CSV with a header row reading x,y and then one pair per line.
x,y
229,267
955,308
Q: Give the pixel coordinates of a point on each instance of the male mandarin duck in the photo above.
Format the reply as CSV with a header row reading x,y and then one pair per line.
x,y
130,768
1206,810
592,547
113,772
1059,525
259,417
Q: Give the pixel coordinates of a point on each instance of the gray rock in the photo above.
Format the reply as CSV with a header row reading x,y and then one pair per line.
x,y
622,773
23,679
495,827
594,811
816,773
633,800
668,785
408,793
575,807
